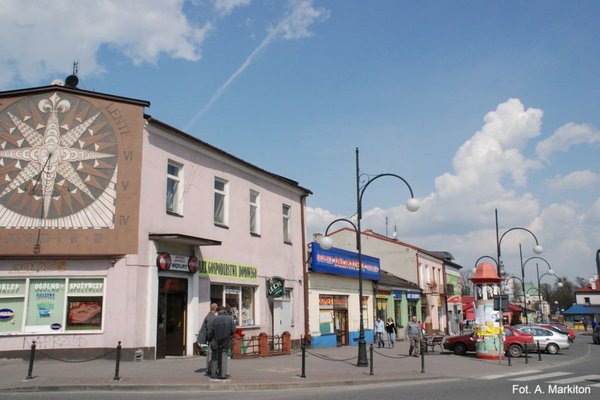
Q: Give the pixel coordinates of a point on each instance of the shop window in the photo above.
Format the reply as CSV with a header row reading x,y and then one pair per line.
x,y
220,210
232,297
174,188
382,308
12,301
254,212
51,305
84,304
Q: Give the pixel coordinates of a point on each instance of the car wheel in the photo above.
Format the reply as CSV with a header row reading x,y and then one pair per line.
x,y
552,348
515,350
460,349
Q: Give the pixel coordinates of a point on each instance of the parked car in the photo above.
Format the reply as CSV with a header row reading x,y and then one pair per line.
x,y
596,335
565,328
514,342
550,341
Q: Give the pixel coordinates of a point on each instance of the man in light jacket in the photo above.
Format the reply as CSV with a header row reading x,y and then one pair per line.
x,y
414,333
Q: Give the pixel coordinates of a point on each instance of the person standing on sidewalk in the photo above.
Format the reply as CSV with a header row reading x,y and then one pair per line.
x,y
379,328
203,334
390,328
222,327
414,333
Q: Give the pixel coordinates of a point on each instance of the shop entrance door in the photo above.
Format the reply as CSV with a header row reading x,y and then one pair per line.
x,y
172,317
340,323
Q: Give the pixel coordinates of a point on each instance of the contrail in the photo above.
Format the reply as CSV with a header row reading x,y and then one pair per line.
x,y
293,26
267,41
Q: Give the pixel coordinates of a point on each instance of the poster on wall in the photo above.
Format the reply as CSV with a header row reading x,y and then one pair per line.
x,y
85,314
46,304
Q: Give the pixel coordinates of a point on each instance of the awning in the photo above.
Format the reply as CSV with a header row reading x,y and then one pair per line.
x,y
514,307
578,309
180,238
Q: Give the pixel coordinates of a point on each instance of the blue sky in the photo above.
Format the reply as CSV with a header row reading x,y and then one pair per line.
x,y
478,105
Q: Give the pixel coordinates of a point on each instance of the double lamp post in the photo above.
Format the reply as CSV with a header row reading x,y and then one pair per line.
x,y
326,243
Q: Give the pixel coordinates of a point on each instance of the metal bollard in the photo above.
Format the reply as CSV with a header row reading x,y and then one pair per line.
x,y
526,355
31,358
303,359
539,352
371,354
422,361
116,378
508,357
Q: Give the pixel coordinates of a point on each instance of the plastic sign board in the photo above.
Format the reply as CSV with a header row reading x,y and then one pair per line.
x,y
501,302
276,286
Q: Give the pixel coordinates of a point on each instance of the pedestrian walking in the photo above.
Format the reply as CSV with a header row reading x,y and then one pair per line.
x,y
203,334
390,328
414,333
222,327
379,328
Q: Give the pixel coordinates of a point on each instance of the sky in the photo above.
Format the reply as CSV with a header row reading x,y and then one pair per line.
x,y
478,105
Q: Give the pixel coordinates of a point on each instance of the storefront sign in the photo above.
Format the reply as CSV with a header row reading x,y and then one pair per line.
x,y
36,267
413,296
163,261
87,287
6,314
223,269
398,294
276,286
326,302
342,262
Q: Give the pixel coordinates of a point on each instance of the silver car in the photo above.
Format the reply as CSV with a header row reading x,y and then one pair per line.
x,y
550,341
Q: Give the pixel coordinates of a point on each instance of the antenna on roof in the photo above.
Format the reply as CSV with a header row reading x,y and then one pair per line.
x,y
73,80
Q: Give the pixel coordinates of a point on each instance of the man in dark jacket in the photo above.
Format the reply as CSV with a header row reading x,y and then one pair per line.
x,y
202,335
220,331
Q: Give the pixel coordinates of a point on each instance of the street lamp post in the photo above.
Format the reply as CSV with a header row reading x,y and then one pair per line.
x,y
326,243
539,277
537,249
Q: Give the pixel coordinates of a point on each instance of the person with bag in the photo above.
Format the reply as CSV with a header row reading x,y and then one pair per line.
x,y
379,328
390,328
203,333
221,330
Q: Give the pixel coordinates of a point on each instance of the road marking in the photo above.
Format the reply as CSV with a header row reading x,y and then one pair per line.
x,y
531,371
540,377
576,379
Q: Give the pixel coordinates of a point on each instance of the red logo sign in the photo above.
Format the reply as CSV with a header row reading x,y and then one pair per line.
x,y
163,261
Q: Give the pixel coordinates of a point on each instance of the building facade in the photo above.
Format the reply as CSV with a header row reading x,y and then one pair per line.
x,y
116,227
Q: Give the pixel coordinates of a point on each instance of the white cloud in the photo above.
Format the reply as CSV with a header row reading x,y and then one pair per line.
x,y
46,37
226,7
565,137
574,180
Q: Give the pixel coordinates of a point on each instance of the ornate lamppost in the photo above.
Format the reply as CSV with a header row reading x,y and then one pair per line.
x,y
412,204
539,277
537,249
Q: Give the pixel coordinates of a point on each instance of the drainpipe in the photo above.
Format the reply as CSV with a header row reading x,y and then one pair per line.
x,y
304,265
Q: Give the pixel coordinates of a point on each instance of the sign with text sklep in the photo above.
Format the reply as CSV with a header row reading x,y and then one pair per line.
x,y
343,262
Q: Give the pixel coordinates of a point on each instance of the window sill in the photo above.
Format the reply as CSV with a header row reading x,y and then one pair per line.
x,y
220,225
256,235
174,214
287,242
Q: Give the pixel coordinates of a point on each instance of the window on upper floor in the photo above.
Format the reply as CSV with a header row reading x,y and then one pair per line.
x,y
254,212
586,300
221,202
287,223
174,188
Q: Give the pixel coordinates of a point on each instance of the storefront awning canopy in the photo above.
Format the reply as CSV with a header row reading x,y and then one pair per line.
x,y
180,238
578,309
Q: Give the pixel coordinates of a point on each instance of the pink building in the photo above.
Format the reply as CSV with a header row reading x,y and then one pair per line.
x,y
116,227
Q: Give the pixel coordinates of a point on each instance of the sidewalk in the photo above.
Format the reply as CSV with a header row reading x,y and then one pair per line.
x,y
323,367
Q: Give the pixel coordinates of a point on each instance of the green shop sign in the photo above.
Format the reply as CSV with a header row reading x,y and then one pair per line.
x,y
276,286
216,268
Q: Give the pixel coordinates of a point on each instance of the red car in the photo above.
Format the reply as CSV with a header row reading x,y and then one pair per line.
x,y
562,328
514,342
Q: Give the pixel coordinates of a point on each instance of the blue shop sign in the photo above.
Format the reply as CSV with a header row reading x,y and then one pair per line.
x,y
342,262
413,296
398,294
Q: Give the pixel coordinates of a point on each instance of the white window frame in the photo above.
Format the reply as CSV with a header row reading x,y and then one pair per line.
x,y
224,214
254,212
176,204
286,212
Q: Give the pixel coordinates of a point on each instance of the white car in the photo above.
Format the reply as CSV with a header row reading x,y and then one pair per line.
x,y
550,341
